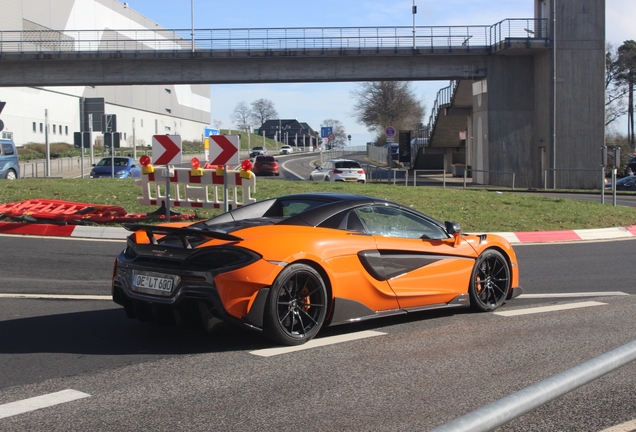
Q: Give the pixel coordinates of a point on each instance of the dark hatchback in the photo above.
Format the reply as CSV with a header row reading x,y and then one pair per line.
x,y
123,167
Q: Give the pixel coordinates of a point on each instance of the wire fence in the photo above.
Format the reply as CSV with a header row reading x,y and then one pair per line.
x,y
276,39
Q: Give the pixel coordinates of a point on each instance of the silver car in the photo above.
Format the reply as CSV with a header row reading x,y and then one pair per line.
x,y
343,170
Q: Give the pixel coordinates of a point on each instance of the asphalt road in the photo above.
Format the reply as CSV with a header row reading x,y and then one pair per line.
x,y
415,373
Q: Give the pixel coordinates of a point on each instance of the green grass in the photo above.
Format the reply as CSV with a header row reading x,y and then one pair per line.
x,y
475,210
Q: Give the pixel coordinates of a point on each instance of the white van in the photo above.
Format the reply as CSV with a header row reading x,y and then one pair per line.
x,y
9,164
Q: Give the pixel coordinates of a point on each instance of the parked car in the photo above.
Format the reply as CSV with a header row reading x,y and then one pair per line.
x,y
124,167
290,265
286,149
9,163
257,150
339,170
265,165
626,184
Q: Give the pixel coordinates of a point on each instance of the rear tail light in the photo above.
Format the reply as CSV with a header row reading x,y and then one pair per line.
x,y
336,171
361,172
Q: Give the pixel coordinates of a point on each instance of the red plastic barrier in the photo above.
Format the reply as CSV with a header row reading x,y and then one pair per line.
x,y
39,210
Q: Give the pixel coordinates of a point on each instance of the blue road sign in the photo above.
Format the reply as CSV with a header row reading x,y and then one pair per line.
x,y
325,131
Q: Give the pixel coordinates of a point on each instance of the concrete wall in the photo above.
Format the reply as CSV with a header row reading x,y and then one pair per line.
x,y
513,125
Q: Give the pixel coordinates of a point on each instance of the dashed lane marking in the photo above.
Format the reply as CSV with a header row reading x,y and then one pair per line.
x,y
543,309
579,294
39,402
623,427
56,297
314,343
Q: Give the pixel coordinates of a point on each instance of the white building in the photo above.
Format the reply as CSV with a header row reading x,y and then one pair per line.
x,y
149,110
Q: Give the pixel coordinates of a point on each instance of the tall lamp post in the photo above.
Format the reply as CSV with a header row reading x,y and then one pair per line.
x,y
192,17
414,13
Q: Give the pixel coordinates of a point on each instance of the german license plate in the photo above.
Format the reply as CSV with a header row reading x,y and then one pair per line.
x,y
152,283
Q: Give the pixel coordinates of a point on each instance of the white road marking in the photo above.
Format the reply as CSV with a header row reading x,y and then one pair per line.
x,y
56,296
314,343
294,173
623,427
554,308
580,294
39,402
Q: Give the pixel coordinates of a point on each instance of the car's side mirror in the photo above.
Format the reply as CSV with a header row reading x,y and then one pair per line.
x,y
453,227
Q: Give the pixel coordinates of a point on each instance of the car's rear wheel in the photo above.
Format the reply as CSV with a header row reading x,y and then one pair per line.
x,y
490,282
296,305
11,175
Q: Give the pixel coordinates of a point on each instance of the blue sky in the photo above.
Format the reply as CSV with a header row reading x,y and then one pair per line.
x,y
313,103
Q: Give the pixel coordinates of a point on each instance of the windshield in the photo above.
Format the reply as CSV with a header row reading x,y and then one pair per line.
x,y
121,162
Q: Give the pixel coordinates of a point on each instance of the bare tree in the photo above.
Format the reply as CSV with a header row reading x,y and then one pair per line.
x,y
338,130
627,76
615,92
216,123
387,103
263,110
241,116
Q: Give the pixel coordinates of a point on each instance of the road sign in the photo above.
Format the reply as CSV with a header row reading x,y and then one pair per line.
x,y
224,149
331,136
325,131
390,131
209,131
166,149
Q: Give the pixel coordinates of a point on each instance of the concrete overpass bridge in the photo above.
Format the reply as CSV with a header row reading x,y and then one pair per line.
x,y
528,97
234,56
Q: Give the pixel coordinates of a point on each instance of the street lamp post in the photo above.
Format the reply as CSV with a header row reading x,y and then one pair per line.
x,y
414,12
192,17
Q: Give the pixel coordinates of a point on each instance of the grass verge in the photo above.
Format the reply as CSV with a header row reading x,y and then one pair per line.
x,y
475,210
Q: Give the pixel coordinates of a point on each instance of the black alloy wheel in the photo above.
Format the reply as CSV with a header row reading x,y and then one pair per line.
x,y
490,281
296,306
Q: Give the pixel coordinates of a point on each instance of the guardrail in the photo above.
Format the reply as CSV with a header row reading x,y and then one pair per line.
x,y
491,172
443,171
268,39
522,402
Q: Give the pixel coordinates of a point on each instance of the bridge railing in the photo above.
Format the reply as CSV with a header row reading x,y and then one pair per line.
x,y
264,39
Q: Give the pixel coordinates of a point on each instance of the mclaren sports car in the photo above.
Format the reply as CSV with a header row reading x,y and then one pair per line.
x,y
290,265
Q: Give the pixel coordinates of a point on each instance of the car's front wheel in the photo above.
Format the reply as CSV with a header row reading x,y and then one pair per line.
x,y
11,175
490,282
296,305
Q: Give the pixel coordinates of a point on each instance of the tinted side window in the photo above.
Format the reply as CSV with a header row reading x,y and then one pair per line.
x,y
7,149
394,222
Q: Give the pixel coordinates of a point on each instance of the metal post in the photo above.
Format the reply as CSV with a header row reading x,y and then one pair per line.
x,y
513,181
414,12
602,185
465,171
134,140
192,16
90,129
614,187
226,205
167,202
47,147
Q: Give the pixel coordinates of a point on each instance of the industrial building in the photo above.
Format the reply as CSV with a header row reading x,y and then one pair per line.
x,y
140,110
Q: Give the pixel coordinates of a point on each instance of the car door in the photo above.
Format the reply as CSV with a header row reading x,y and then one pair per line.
x,y
421,262
321,172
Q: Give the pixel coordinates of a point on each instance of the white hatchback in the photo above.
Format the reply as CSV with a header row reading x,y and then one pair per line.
x,y
286,149
344,170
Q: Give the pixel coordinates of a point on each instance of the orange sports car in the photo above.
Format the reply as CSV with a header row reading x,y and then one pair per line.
x,y
290,265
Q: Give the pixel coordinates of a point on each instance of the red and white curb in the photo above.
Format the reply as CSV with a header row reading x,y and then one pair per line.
x,y
115,233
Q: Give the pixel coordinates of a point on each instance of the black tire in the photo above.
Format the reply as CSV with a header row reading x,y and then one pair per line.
x,y
326,178
490,281
296,306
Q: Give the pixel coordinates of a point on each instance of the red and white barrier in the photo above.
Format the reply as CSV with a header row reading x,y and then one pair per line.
x,y
197,191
